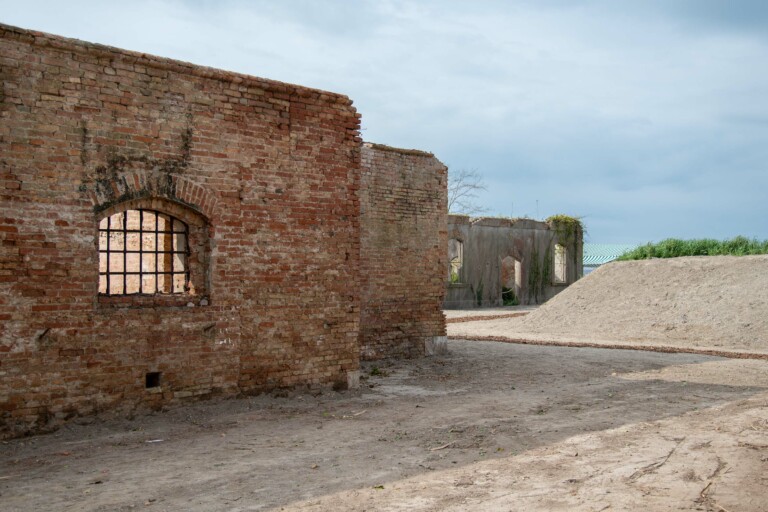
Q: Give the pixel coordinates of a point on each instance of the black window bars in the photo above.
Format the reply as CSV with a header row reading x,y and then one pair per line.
x,y
143,252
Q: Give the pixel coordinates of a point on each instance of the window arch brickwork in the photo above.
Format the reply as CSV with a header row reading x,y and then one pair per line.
x,y
152,251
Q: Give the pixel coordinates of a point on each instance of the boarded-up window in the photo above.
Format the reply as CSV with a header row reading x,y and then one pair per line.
x,y
143,252
560,264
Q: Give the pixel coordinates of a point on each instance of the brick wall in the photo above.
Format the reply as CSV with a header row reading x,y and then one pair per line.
x,y
403,256
265,174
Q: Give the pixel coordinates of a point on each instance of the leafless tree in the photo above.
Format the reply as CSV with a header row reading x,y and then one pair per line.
x,y
463,187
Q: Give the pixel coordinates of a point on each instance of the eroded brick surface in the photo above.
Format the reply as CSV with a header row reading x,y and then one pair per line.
x,y
271,169
404,256
291,281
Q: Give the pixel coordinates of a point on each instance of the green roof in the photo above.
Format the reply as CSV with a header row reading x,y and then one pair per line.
x,y
597,254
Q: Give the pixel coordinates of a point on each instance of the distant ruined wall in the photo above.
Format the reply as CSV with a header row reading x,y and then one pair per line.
x,y
403,238
513,254
264,175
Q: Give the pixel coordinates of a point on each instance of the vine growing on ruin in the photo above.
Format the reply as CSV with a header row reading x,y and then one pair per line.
x,y
539,274
568,231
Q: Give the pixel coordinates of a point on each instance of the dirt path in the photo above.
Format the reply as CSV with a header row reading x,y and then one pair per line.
x,y
490,426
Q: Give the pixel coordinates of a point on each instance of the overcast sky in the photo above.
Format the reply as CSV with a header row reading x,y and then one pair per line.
x,y
647,118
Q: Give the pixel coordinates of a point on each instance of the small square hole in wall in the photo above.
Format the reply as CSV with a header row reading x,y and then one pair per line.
x,y
152,380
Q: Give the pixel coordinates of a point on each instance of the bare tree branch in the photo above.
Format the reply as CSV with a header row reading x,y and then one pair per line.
x,y
463,187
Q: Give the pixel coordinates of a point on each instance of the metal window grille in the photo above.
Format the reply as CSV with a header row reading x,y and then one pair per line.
x,y
143,252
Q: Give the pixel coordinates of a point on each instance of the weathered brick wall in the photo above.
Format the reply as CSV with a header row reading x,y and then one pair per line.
x,y
267,176
403,257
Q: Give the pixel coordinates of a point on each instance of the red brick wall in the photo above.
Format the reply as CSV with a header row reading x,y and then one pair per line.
x,y
403,255
269,171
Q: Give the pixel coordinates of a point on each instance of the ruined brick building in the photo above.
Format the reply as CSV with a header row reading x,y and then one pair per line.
x,y
169,231
502,261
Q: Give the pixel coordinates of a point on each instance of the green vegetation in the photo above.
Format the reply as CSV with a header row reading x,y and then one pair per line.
x,y
568,230
674,248
508,297
539,274
566,227
479,295
378,372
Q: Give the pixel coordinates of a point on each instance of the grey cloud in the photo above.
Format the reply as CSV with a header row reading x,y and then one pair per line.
x,y
650,118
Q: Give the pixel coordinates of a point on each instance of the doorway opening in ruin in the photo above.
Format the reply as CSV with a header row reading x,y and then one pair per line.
x,y
511,277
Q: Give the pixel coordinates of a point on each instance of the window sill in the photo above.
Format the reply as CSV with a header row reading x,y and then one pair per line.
x,y
152,301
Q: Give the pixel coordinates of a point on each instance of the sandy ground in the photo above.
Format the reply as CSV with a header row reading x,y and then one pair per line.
x,y
489,426
699,304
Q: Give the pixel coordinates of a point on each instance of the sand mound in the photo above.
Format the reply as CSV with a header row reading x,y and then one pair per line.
x,y
715,301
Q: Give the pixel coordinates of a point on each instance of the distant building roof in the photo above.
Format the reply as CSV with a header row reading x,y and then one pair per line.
x,y
597,254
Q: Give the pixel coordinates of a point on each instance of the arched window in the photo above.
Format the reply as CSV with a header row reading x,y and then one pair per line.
x,y
511,277
143,251
456,259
